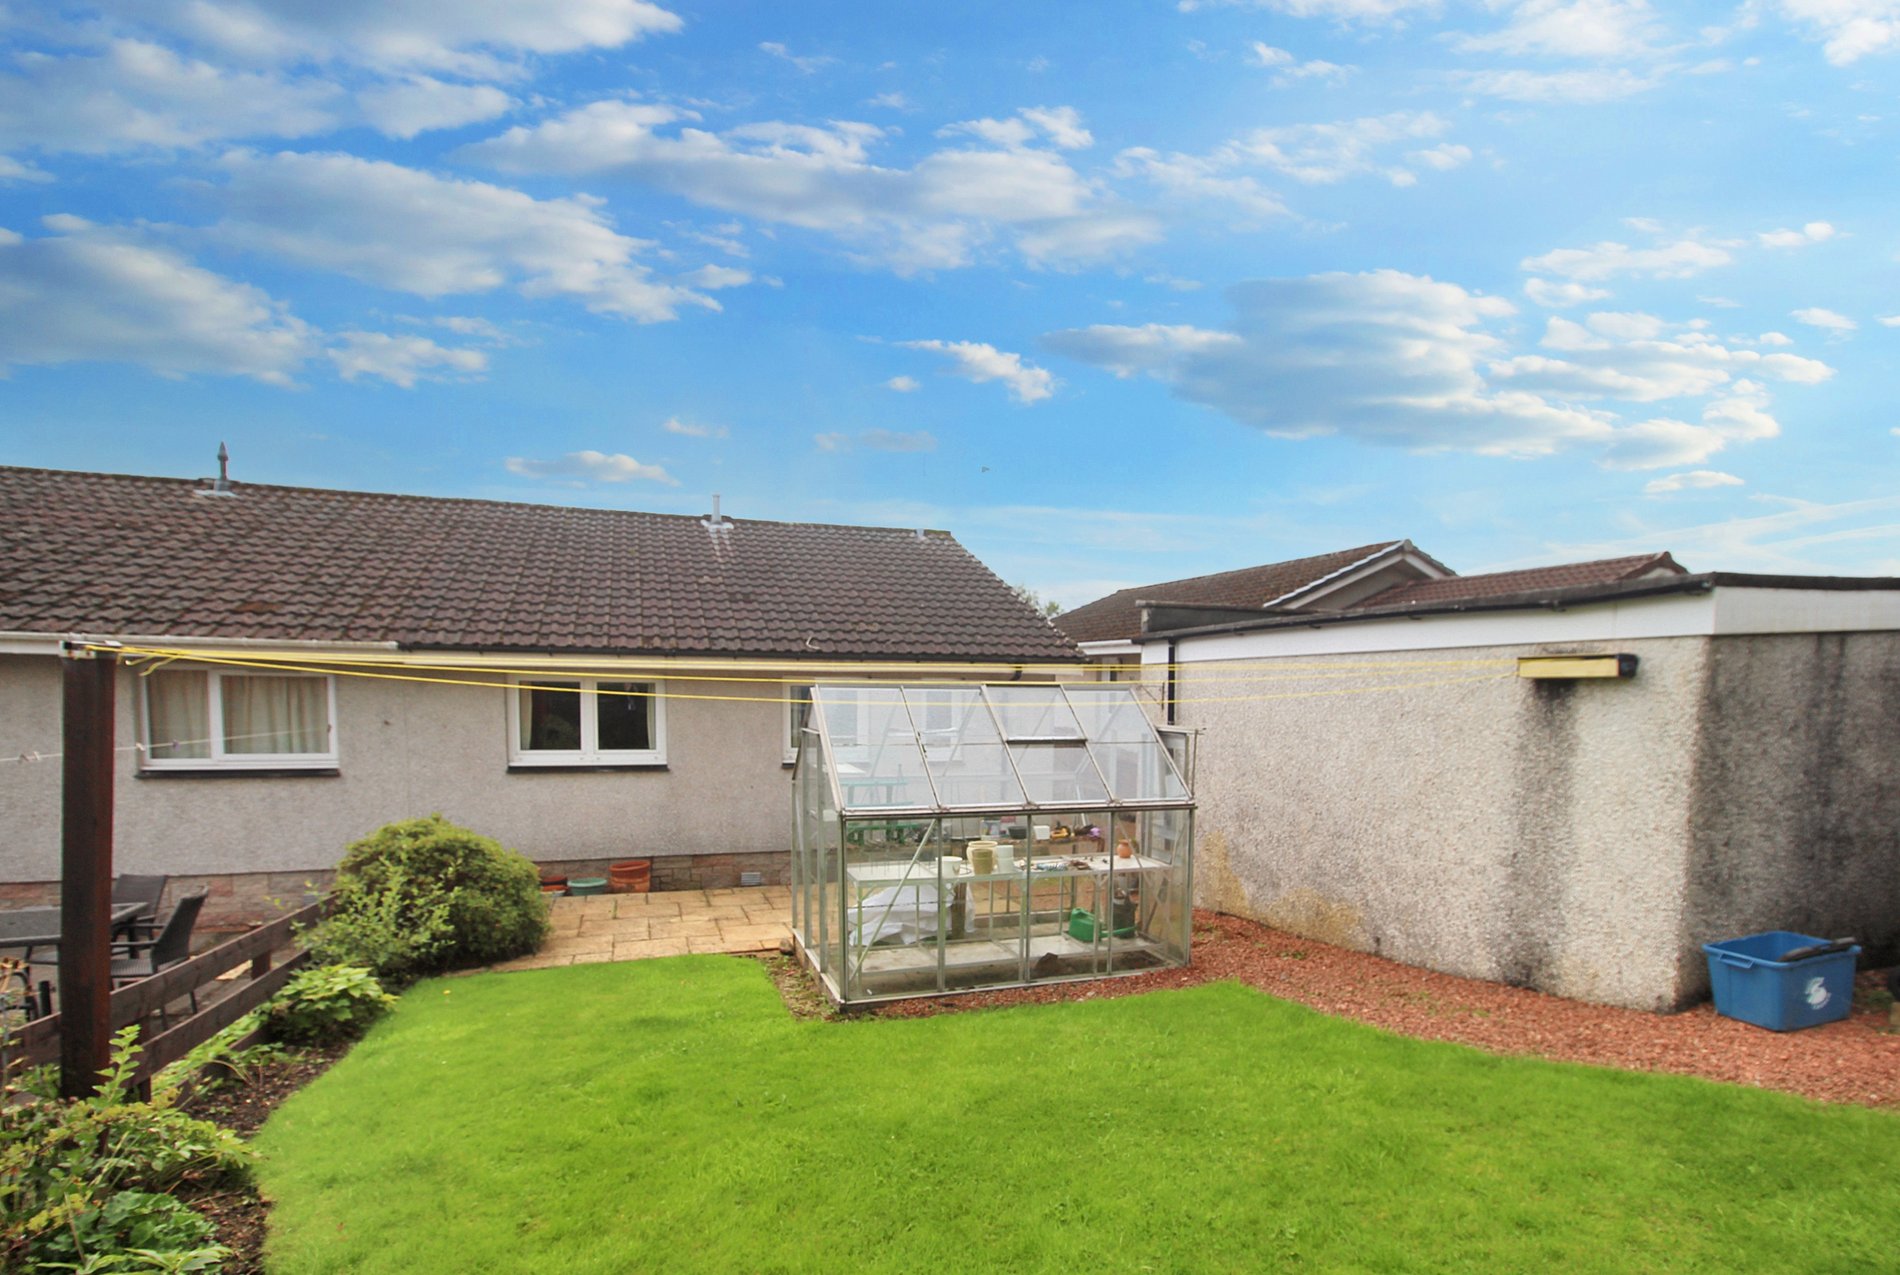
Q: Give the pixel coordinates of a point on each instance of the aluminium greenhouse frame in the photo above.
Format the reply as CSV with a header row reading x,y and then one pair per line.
x,y
957,836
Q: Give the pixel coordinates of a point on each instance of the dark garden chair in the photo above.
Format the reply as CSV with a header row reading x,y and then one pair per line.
x,y
137,960
129,887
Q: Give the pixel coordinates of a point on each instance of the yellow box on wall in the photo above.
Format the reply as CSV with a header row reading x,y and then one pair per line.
x,y
1565,667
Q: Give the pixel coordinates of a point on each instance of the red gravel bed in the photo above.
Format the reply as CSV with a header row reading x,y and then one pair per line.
x,y
1856,1060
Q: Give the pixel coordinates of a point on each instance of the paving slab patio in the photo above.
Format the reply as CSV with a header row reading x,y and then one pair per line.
x,y
632,927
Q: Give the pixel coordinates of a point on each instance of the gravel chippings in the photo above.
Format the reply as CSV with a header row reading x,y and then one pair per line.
x,y
1856,1060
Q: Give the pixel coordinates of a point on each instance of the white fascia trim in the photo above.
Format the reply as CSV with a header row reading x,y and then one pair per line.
x,y
1313,589
15,642
1733,611
1109,646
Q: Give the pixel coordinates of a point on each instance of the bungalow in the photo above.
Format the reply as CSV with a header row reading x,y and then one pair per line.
x,y
300,666
1399,766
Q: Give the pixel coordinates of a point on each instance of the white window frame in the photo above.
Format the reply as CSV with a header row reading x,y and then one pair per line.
x,y
589,753
791,704
219,759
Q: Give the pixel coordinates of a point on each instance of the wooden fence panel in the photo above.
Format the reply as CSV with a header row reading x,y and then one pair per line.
x,y
38,1041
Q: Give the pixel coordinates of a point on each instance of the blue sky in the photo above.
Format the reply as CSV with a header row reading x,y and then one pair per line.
x,y
1117,293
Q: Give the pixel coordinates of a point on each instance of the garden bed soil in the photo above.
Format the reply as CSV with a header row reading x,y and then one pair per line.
x,y
1856,1060
240,1213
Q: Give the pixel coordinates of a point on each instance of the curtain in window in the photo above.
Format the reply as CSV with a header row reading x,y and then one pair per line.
x,y
179,715
276,715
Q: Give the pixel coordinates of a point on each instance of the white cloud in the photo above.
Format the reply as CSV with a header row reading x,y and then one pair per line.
x,y
133,95
1392,358
1816,317
88,294
1584,88
904,384
473,37
1798,538
1890,320
1690,480
1196,180
887,440
1606,260
1557,296
832,442
433,236
1384,357
1062,125
1288,69
577,469
402,360
939,214
895,101
1368,11
1326,153
92,294
976,361
674,425
1852,29
1444,157
1638,358
421,104
806,65
1813,232
13,170
1601,29
1156,349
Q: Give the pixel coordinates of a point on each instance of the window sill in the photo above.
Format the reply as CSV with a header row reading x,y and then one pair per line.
x,y
584,767
240,772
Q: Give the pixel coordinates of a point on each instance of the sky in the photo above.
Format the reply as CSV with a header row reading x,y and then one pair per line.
x,y
1117,293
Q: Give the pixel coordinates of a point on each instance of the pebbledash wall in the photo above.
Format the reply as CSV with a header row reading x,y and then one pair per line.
x,y
1582,837
720,807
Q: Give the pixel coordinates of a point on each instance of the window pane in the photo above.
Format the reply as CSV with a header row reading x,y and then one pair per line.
x,y
624,716
551,717
180,715
799,698
275,714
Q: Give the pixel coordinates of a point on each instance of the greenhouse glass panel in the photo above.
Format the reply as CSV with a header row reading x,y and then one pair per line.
x,y
876,758
965,757
951,838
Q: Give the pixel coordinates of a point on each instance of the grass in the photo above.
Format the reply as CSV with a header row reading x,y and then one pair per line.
x,y
668,1115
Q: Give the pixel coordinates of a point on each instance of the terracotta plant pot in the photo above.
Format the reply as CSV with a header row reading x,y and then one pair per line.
x,y
630,876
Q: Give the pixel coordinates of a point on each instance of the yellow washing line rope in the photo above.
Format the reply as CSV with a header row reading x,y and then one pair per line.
x,y
317,666
1239,670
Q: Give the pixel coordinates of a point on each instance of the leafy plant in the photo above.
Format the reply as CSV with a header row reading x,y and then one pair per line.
x,y
218,1063
423,895
64,1166
328,1004
399,927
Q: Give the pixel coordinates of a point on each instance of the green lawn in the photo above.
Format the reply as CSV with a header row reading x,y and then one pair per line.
x,y
668,1116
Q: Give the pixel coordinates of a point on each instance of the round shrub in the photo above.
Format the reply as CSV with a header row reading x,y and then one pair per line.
x,y
424,895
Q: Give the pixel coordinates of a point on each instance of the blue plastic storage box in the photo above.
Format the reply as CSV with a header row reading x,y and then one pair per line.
x,y
1751,982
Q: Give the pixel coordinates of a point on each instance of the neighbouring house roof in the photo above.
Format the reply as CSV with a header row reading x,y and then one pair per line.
x,y
1495,584
1119,614
110,554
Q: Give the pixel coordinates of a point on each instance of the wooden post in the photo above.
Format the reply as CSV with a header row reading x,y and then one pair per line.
x,y
85,892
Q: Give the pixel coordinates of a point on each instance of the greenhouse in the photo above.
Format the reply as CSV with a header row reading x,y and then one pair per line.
x,y
953,837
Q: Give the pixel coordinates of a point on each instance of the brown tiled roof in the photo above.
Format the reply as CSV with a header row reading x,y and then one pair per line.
x,y
1497,584
116,554
1118,616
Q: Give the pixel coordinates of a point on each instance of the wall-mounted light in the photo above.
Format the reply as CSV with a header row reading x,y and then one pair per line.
x,y
1549,668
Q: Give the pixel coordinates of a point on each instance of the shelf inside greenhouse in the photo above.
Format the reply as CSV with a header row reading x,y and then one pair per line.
x,y
959,837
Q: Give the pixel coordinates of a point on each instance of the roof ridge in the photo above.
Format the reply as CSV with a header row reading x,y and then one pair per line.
x,y
1367,549
239,485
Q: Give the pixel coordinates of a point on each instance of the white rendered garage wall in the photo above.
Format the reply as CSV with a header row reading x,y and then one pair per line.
x,y
1525,832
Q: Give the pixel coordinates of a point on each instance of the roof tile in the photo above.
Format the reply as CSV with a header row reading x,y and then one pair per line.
x,y
110,553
